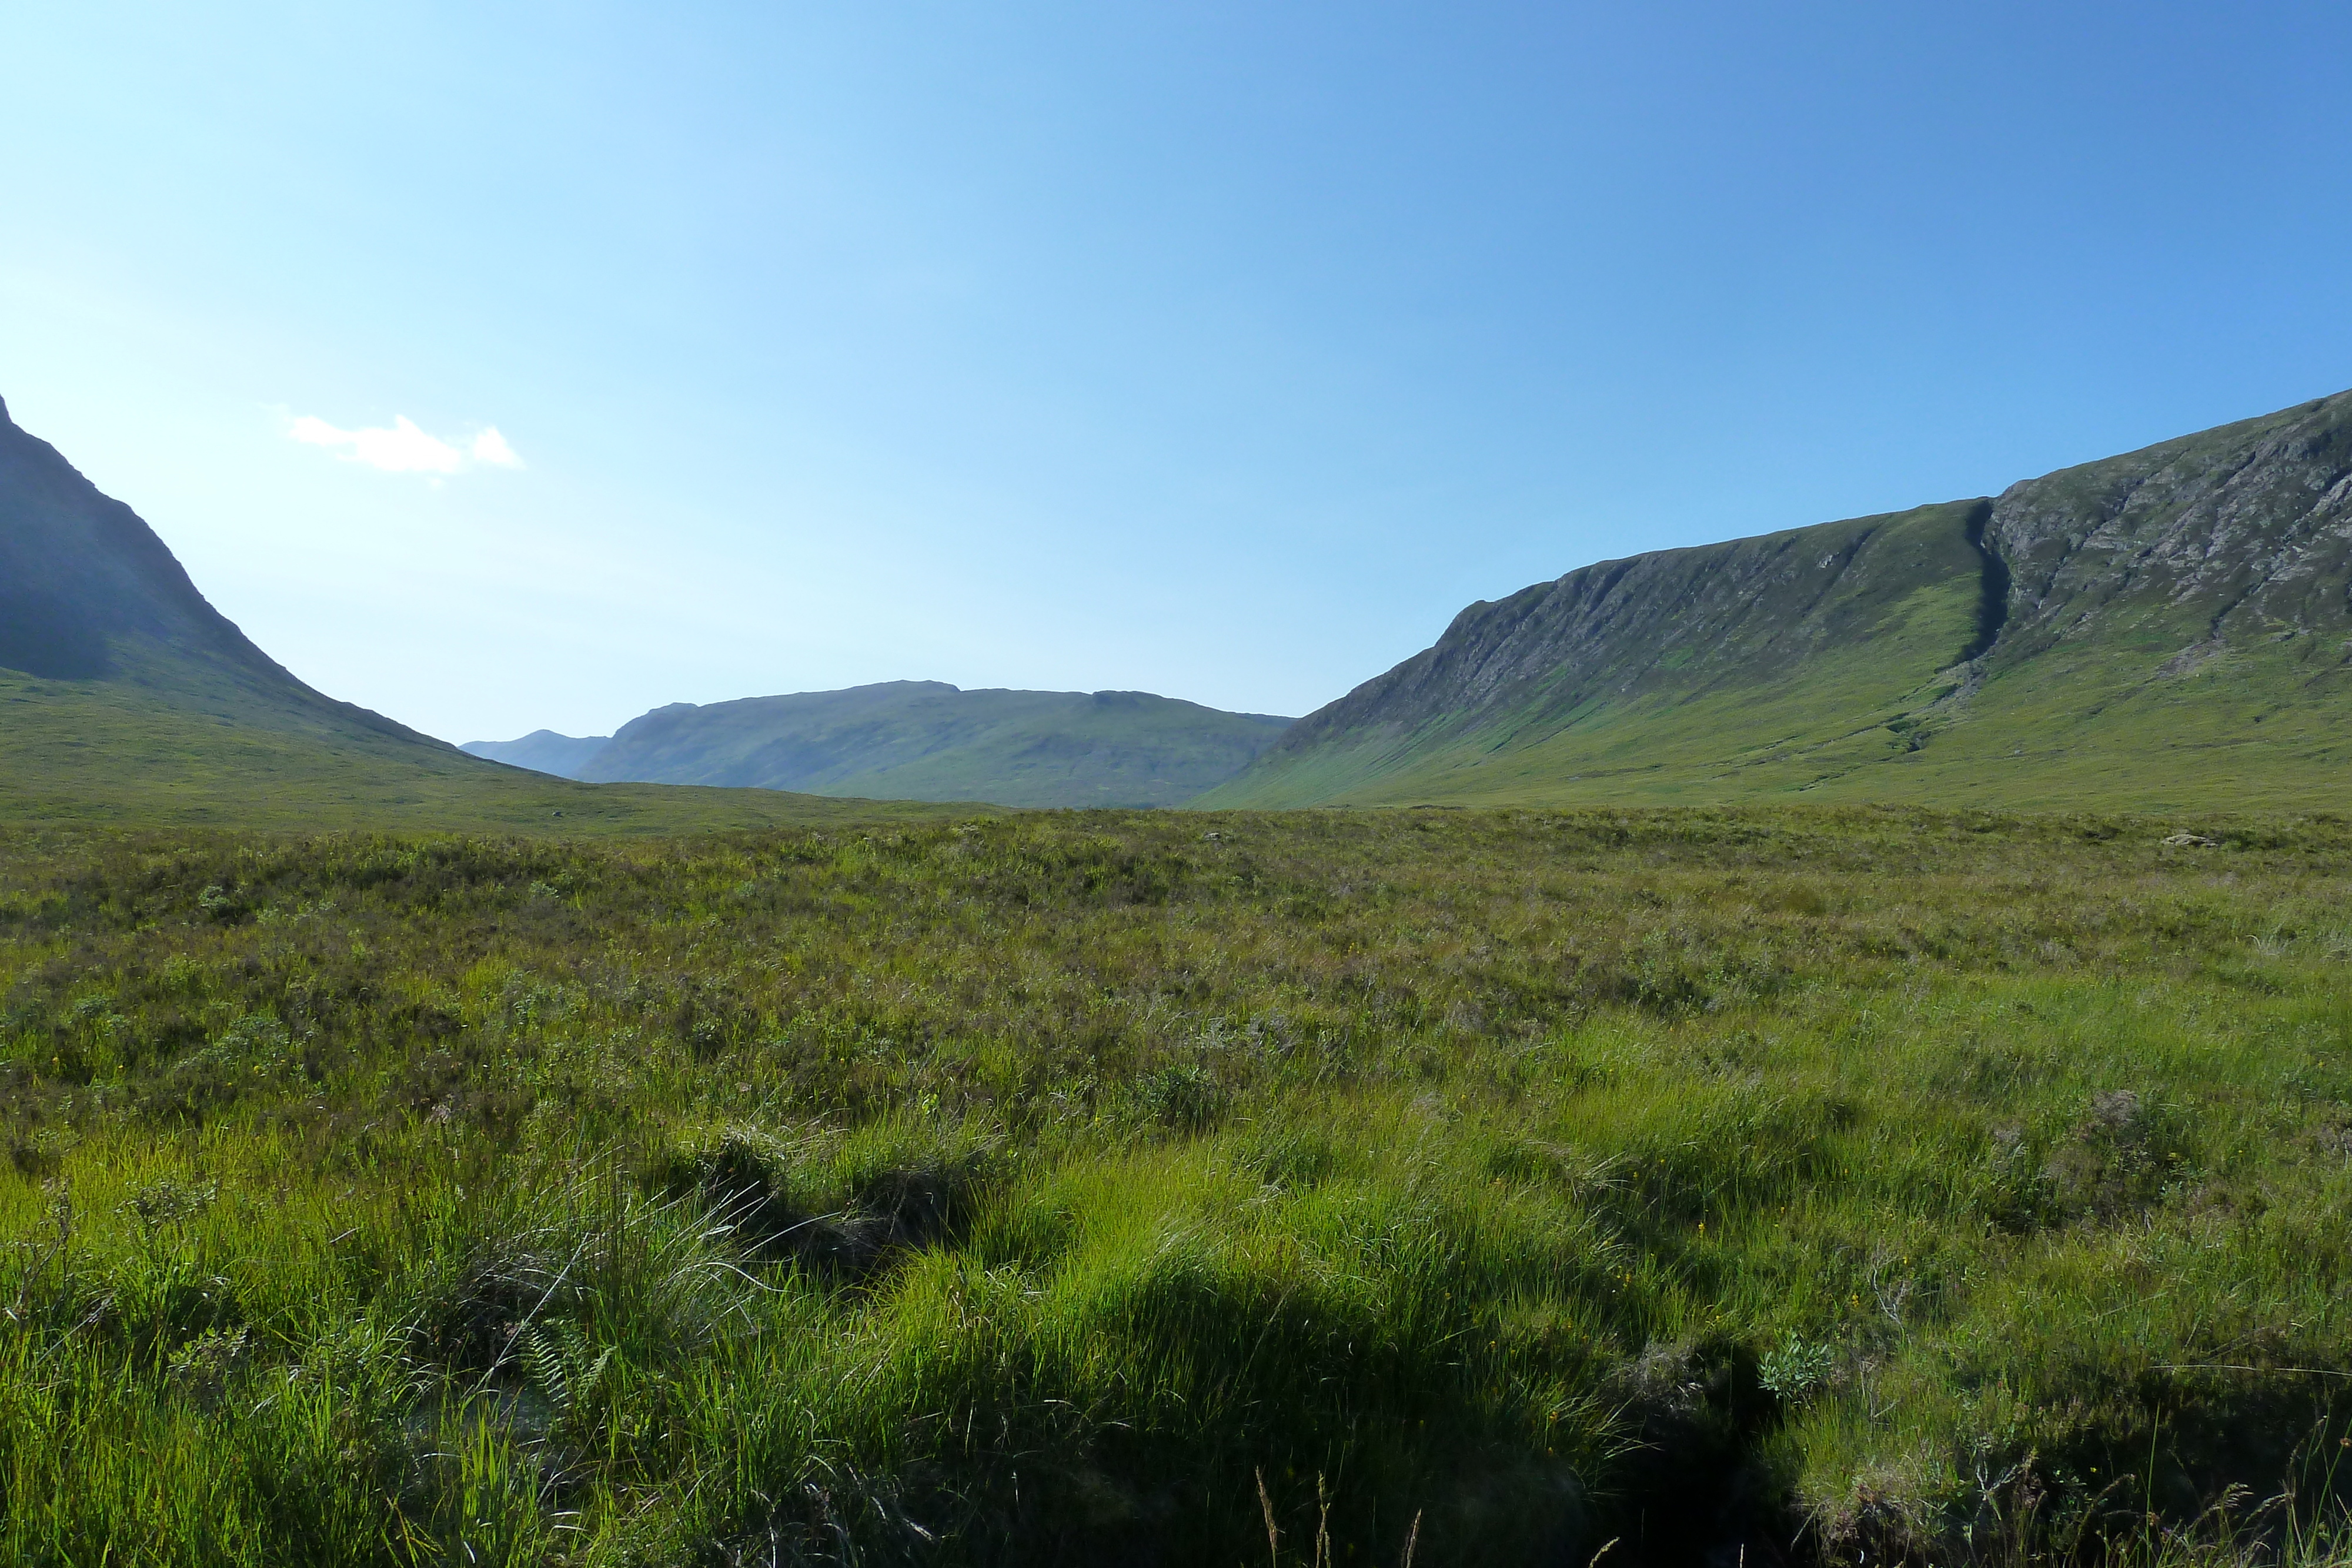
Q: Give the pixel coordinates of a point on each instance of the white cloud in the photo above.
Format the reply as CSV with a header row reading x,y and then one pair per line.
x,y
402,448
491,447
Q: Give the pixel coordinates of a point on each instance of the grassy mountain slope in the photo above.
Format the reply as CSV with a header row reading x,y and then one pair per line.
x,y
1765,662
542,751
114,752
2163,629
124,695
926,740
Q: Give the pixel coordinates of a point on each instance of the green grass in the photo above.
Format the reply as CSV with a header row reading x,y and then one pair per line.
x,y
195,747
2250,730
1824,735
1863,1183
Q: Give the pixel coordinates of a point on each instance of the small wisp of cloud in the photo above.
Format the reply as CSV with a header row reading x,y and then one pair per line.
x,y
491,447
402,448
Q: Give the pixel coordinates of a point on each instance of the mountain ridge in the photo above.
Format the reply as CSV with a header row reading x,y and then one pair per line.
x,y
2169,627
930,740
2016,623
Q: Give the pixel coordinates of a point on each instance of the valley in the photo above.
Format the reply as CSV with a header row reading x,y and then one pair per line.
x,y
1825,1049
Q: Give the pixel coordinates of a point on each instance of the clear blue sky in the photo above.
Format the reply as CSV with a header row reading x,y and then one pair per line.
x,y
1218,349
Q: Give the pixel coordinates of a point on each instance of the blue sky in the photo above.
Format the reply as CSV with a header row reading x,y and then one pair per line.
x,y
1216,350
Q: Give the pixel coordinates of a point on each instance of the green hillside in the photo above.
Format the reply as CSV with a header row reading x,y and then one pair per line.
x,y
927,741
125,696
102,753
2162,630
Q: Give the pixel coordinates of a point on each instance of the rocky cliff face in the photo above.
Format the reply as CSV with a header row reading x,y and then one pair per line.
x,y
1749,612
2239,534
2057,627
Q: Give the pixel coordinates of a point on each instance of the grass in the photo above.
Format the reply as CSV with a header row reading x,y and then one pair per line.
x,y
177,743
2254,729
1838,1185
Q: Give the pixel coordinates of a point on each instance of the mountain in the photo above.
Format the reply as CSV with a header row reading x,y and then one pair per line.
x,y
89,592
126,697
2167,628
927,741
542,751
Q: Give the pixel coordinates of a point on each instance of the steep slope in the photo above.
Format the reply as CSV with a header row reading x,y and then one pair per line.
x,y
2164,628
542,751
125,696
2178,628
927,741
88,592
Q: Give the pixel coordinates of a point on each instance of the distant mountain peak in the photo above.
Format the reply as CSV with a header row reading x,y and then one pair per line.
x,y
545,751
923,740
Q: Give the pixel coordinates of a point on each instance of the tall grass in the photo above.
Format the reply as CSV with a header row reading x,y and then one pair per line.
x,y
1857,1185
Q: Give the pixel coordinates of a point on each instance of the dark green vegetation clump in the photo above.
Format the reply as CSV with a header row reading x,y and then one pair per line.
x,y
1834,1185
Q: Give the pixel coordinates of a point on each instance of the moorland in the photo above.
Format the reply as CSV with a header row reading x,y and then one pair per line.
x,y
1846,1185
1688,1154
